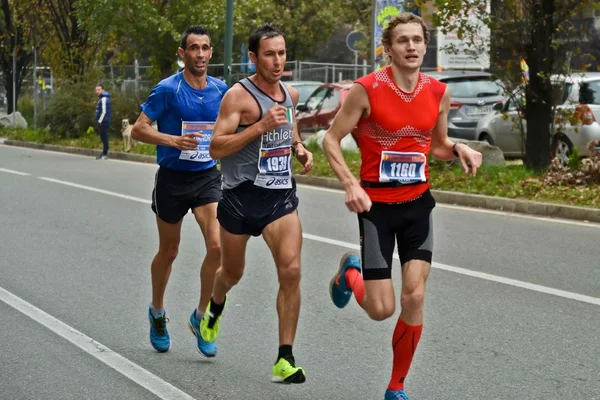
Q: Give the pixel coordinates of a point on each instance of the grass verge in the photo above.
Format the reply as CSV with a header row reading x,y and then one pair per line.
x,y
511,181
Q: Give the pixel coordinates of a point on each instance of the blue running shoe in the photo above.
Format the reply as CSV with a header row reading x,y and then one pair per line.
x,y
159,336
395,395
339,292
205,348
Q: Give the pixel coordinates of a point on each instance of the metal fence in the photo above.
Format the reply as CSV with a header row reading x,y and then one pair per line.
x,y
298,71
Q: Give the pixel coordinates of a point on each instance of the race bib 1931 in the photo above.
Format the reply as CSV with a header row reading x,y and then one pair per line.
x,y
406,168
201,153
274,168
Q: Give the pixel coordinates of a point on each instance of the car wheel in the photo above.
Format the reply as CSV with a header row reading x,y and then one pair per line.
x,y
562,149
484,137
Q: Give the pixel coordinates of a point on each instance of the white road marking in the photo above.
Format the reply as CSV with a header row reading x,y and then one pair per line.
x,y
93,189
137,374
11,171
457,270
323,189
480,210
476,274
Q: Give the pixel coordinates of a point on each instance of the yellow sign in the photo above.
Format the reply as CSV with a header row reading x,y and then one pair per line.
x,y
524,70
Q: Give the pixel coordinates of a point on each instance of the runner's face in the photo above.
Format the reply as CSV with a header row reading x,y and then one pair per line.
x,y
270,60
196,54
408,46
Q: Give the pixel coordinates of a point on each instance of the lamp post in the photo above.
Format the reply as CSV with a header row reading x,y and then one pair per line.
x,y
228,41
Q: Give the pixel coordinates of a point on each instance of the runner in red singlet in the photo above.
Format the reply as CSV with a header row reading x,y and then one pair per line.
x,y
402,117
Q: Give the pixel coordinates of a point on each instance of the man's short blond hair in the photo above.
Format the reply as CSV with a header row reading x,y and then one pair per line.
x,y
403,18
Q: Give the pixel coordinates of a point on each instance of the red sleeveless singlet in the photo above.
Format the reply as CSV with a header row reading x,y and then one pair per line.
x,y
395,139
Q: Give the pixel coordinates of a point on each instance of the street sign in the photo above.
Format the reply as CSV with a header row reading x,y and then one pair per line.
x,y
352,40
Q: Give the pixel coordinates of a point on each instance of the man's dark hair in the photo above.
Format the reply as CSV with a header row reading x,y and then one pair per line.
x,y
100,85
265,31
193,30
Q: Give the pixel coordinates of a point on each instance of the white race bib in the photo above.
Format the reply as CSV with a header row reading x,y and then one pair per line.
x,y
405,168
274,168
201,154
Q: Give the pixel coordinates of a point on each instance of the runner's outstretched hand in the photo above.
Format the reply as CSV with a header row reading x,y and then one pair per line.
x,y
305,157
187,141
357,199
470,159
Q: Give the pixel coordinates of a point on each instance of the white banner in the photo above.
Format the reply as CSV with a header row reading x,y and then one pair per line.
x,y
464,58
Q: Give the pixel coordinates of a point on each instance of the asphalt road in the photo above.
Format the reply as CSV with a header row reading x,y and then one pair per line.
x,y
513,306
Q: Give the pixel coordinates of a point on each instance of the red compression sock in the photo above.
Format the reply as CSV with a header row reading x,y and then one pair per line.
x,y
404,343
354,281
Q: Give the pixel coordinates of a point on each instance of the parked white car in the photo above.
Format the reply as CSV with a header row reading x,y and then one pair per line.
x,y
579,93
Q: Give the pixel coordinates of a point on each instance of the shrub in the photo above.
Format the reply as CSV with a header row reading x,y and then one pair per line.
x,y
71,110
586,173
574,160
124,106
25,107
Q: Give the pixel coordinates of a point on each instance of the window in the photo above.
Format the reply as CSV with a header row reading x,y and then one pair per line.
x,y
473,87
314,101
589,92
332,99
560,92
305,91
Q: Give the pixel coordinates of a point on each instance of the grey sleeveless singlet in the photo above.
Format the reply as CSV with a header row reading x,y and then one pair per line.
x,y
267,159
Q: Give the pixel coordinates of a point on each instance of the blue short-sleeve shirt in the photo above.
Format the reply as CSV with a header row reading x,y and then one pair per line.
x,y
173,101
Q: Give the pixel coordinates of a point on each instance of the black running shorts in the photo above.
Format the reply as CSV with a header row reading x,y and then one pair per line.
x,y
176,192
409,224
247,209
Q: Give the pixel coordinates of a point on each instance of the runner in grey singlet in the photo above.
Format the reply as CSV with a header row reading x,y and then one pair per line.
x,y
267,159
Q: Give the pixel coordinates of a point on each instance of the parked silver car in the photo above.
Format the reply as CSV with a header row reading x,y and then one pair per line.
x,y
578,95
472,95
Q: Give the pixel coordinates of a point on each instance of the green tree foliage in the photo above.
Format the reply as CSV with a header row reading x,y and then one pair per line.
x,y
69,49
153,28
16,27
543,32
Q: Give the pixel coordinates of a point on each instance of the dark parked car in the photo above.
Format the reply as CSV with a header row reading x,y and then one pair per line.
x,y
472,95
320,108
305,89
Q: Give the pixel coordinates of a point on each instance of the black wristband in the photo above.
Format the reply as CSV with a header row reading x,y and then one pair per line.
x,y
454,150
294,146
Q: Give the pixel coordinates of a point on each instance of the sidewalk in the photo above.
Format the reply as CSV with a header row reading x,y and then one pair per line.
x,y
456,198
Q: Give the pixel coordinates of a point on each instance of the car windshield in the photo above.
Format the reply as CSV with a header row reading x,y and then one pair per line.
x,y
470,87
305,91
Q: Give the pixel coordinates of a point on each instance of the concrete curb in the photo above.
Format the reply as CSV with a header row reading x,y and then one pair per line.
x,y
455,198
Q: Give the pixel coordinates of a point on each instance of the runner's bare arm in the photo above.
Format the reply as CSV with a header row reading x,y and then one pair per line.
x,y
295,97
225,140
442,147
302,154
144,132
355,107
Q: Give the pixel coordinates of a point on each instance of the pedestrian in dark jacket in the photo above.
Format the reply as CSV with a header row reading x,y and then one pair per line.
x,y
103,112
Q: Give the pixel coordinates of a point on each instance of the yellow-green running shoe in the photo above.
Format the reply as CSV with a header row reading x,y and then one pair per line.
x,y
286,371
210,324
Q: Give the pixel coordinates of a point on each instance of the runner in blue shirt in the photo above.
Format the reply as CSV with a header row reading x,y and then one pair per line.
x,y
185,108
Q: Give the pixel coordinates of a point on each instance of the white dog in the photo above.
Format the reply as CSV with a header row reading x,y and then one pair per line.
x,y
126,132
